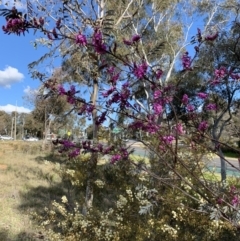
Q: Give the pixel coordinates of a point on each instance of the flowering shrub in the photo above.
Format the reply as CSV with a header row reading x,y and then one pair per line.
x,y
125,82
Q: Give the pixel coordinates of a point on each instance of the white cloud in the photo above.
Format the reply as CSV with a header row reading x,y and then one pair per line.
x,y
11,108
9,76
29,91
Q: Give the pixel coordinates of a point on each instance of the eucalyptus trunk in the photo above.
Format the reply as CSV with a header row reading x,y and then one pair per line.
x,y
220,154
92,164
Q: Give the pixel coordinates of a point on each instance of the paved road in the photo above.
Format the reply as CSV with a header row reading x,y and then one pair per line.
x,y
213,164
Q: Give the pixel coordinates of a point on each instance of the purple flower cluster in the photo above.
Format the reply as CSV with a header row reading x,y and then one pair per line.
x,y
158,108
168,139
235,76
185,99
101,118
211,107
114,76
148,126
108,92
15,25
140,70
86,109
190,108
202,95
61,90
120,97
115,158
220,73
179,129
235,201
70,93
211,37
81,39
159,73
74,153
97,40
135,38
186,61
203,126
157,94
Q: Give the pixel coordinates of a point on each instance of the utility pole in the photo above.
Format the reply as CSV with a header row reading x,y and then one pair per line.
x,y
12,128
15,124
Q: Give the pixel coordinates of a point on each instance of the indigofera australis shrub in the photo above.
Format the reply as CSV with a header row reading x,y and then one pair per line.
x,y
167,198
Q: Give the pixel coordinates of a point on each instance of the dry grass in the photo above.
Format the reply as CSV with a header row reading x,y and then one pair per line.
x,y
28,183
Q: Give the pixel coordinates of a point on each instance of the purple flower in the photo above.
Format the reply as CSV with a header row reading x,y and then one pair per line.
x,y
108,92
67,144
61,90
190,108
159,73
157,94
97,41
235,200
168,139
74,153
186,61
87,109
203,126
136,38
127,42
233,189
81,39
211,107
101,118
111,69
72,89
140,70
211,37
235,76
115,158
71,100
202,95
158,109
220,73
185,99
114,78
179,129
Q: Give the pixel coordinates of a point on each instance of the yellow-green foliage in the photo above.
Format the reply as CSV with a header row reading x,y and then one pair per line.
x,y
129,205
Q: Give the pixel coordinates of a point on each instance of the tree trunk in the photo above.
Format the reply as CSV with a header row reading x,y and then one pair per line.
x,y
223,165
216,137
92,164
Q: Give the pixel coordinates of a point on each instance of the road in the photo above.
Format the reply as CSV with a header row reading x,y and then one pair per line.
x,y
213,164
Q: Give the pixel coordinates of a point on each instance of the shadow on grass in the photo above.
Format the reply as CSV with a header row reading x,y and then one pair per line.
x,y
22,236
52,157
36,198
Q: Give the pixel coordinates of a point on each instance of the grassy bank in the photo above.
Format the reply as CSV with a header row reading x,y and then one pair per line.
x,y
28,183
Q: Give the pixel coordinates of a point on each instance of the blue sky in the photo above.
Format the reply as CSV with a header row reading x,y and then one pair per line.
x,y
15,81
16,54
